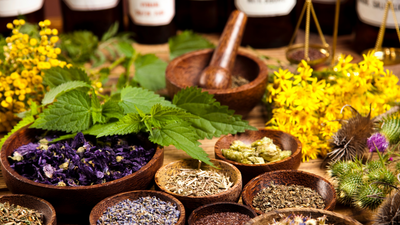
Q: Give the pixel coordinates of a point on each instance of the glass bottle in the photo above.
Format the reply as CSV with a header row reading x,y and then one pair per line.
x,y
270,24
152,20
96,16
370,17
30,10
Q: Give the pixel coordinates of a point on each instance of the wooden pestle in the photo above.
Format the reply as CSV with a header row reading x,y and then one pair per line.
x,y
218,73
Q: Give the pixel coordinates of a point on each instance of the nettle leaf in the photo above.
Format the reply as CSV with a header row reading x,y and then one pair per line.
x,y
214,120
160,115
182,136
70,113
132,97
130,123
61,89
111,109
150,72
187,41
127,49
56,76
97,115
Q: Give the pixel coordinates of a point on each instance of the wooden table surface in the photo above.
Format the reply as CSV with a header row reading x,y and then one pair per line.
x,y
258,115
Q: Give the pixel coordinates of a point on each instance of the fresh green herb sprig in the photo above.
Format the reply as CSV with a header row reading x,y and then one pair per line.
x,y
73,106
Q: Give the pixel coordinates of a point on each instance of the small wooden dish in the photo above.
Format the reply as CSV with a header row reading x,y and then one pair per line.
x,y
284,140
219,207
193,202
333,218
102,206
289,177
31,202
73,204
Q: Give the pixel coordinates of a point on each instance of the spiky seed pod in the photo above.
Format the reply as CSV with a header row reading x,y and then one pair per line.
x,y
391,128
372,165
384,176
389,211
349,184
363,198
350,141
340,168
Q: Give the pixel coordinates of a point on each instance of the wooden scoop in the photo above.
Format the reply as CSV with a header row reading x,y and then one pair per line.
x,y
218,74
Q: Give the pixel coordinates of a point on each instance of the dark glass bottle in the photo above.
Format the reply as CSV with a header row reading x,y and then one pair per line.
x,y
325,11
32,12
95,16
270,24
370,17
152,20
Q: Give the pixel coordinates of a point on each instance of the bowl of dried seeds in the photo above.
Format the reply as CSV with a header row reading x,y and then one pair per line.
x,y
26,209
260,151
288,189
139,207
307,215
196,184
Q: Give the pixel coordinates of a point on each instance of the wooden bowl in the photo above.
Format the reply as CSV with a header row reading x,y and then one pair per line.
x,y
102,206
333,218
73,203
31,202
219,207
193,202
289,177
284,140
184,71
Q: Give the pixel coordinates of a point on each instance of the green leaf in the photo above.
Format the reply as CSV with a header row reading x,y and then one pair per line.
x,y
150,72
70,113
96,109
182,136
61,89
127,49
111,109
25,121
214,120
111,32
78,47
98,58
131,123
121,83
56,76
161,115
187,41
132,97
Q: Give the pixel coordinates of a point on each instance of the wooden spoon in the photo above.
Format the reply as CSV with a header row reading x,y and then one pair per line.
x,y
218,74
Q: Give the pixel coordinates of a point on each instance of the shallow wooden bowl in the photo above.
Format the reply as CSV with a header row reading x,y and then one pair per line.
x,y
289,177
219,207
333,218
284,140
102,206
73,203
184,71
193,202
32,202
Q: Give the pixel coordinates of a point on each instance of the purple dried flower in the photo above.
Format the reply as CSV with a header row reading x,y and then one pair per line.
x,y
377,141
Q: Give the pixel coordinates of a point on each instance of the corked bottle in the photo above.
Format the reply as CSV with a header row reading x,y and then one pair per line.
x,y
325,11
270,24
152,20
96,16
370,17
30,10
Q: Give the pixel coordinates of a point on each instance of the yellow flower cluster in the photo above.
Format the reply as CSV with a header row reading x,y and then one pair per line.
x,y
21,71
310,108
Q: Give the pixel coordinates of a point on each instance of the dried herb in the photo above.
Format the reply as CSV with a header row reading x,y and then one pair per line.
x,y
15,215
224,218
287,196
300,220
197,182
238,81
313,54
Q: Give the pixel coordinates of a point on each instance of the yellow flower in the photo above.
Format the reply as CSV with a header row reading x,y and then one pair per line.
x,y
10,26
37,79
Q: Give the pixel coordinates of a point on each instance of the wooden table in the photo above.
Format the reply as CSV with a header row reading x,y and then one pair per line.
x,y
257,115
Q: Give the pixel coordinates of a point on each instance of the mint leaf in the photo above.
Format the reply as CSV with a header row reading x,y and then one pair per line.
x,y
214,120
183,137
131,123
161,115
61,89
111,109
150,72
187,41
56,76
25,121
70,113
132,97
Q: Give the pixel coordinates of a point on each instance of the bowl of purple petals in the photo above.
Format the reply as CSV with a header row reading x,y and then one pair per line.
x,y
77,173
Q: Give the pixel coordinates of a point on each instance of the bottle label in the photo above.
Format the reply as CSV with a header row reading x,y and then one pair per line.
x,y
10,8
371,12
90,5
265,8
152,12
